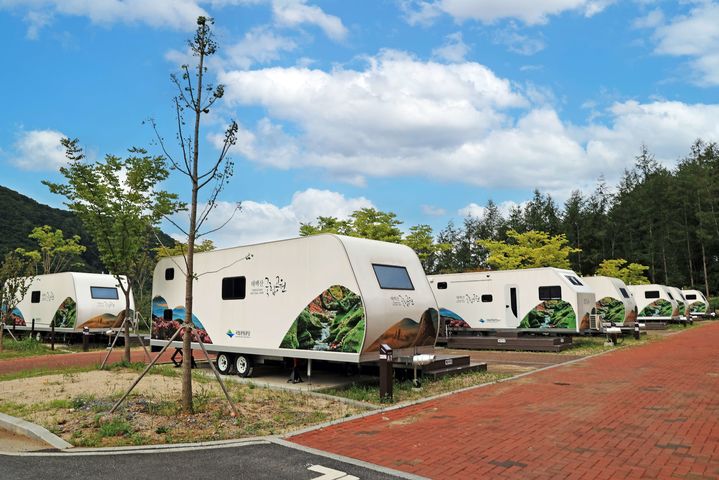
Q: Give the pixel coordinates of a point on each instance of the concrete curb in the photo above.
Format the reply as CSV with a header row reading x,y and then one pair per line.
x,y
23,427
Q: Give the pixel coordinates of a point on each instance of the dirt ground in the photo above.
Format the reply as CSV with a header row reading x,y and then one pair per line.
x,y
74,406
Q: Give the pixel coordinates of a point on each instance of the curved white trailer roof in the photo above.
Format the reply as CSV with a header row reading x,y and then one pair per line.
x,y
614,301
654,302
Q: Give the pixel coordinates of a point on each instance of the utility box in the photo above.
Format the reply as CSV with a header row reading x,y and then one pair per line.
x,y
386,380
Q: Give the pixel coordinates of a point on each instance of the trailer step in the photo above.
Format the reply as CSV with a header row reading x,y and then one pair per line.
x,y
527,343
442,372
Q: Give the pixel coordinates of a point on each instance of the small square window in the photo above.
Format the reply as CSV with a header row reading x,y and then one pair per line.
x,y
233,288
486,298
624,292
167,315
441,285
169,273
35,296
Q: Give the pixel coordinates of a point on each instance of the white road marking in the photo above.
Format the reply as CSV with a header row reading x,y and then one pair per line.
x,y
330,473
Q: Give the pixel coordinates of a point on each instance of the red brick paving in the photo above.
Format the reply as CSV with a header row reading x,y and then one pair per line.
x,y
645,412
81,359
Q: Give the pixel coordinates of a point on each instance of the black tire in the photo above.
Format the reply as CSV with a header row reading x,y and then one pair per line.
x,y
243,365
225,363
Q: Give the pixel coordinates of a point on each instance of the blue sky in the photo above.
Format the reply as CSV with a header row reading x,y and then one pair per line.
x,y
427,108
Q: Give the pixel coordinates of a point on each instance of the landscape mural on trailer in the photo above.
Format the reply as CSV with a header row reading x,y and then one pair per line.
x,y
66,314
408,333
452,320
552,314
658,308
698,307
163,329
611,309
333,321
16,318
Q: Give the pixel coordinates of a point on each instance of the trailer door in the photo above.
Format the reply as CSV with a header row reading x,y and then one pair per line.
x,y
511,305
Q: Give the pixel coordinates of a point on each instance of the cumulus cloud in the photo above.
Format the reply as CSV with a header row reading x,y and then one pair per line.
x,y
433,211
695,35
262,221
260,45
294,13
178,14
517,42
401,116
39,150
453,50
478,211
530,12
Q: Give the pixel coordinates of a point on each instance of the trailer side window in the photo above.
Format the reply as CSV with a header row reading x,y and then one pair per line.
x,y
104,293
35,296
625,294
486,298
167,315
670,296
233,288
690,296
169,273
441,285
574,280
651,294
553,292
392,277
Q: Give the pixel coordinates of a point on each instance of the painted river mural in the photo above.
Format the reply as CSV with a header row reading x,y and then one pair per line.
x,y
658,308
333,321
552,314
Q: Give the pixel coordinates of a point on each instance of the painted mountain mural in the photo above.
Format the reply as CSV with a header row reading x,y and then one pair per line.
x,y
164,328
698,307
408,333
551,314
16,318
658,308
611,309
106,320
334,321
451,319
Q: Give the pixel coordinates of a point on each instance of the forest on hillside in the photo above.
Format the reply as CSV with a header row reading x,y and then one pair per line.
x,y
664,218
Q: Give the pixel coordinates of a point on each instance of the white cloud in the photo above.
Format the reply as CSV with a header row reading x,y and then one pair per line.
x,y
293,13
39,150
695,35
262,221
259,45
453,50
478,211
530,12
517,42
399,116
178,14
433,211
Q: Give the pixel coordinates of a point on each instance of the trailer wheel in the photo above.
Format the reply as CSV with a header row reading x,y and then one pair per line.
x,y
243,365
225,363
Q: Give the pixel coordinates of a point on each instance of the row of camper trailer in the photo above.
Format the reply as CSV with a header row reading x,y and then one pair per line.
x,y
69,302
337,298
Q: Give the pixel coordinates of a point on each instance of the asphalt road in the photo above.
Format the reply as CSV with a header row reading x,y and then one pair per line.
x,y
258,461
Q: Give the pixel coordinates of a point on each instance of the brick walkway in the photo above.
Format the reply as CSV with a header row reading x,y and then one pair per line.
x,y
646,412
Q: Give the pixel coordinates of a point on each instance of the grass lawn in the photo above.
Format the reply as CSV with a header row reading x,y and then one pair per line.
x,y
27,347
403,391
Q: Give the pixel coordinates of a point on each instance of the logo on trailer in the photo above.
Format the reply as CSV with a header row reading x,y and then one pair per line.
x,y
402,301
239,333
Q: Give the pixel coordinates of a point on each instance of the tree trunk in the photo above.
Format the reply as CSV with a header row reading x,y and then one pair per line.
x,y
126,354
651,252
689,248
706,277
664,260
2,331
192,232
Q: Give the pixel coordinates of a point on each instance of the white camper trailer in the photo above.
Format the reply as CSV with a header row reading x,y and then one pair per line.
x,y
326,297
697,304
71,301
535,298
614,302
654,303
678,296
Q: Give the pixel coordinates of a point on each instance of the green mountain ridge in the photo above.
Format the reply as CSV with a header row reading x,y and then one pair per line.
x,y
20,214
